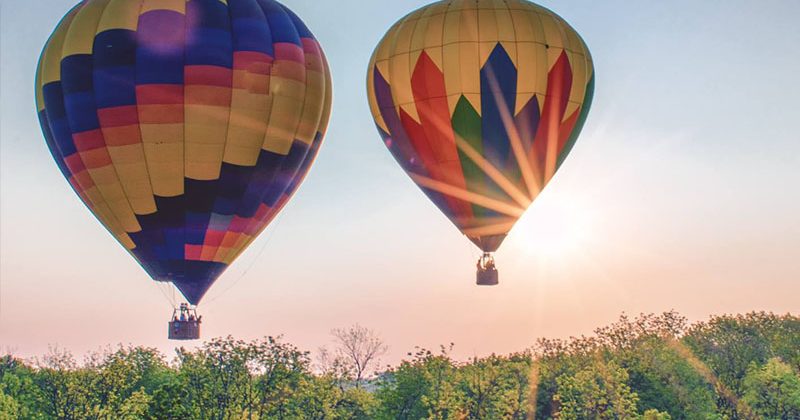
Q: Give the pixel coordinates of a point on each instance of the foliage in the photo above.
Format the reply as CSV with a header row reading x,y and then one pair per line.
x,y
651,367
599,391
773,390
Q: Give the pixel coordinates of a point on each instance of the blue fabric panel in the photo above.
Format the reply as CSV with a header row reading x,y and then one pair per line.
x,y
224,206
81,112
51,144
57,116
527,123
263,174
208,34
197,278
115,48
212,47
252,35
286,173
114,63
74,72
498,82
280,23
160,48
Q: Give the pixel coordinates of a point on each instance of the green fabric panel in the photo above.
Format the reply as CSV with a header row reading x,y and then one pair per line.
x,y
576,131
467,124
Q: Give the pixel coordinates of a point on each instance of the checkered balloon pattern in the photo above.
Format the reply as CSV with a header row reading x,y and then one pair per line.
x,y
184,125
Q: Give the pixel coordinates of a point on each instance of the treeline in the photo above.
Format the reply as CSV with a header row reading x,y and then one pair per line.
x,y
650,367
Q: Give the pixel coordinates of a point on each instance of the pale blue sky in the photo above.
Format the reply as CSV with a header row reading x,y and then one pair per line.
x,y
681,194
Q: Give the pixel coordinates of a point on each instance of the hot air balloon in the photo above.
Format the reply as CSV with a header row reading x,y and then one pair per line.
x,y
185,126
480,102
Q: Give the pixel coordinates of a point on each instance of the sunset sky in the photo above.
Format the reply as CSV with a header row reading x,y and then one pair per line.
x,y
682,193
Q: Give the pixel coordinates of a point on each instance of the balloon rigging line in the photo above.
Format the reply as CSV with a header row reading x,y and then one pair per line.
x,y
160,286
252,264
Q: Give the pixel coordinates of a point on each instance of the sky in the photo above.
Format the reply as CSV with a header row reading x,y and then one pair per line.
x,y
681,194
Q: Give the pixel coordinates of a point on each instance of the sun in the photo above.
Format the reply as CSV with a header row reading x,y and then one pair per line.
x,y
556,228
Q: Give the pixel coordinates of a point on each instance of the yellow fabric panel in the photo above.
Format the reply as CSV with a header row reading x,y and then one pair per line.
x,y
580,71
523,30
452,78
247,127
174,5
106,180
530,56
80,36
434,35
205,130
553,33
288,97
165,166
161,133
469,55
401,67
451,56
126,241
418,35
39,87
51,57
131,169
487,33
312,108
203,161
486,4
468,27
384,50
129,161
120,14
462,4
163,150
428,30
505,25
451,30
328,103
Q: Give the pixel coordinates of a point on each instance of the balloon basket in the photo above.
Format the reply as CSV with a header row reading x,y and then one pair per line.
x,y
487,272
185,324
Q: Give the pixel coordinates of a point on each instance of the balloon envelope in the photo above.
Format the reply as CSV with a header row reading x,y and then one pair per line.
x,y
480,103
184,126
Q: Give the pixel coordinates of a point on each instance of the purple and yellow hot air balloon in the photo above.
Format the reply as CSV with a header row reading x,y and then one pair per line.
x,y
480,102
184,125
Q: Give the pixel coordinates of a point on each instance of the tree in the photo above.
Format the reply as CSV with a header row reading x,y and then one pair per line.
x,y
358,352
597,392
420,388
9,409
655,415
496,387
773,391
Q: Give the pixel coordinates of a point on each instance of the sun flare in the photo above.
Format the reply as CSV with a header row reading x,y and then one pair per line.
x,y
556,228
